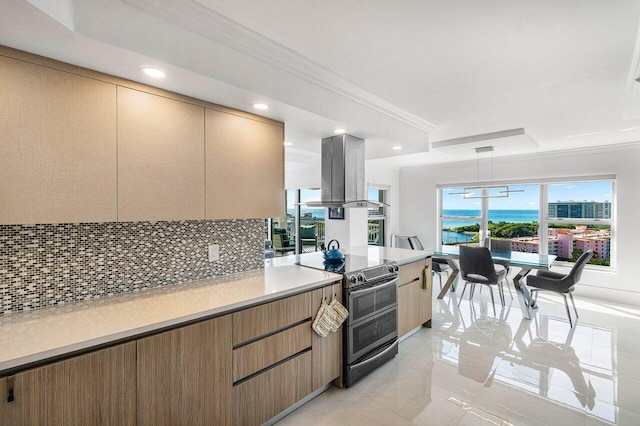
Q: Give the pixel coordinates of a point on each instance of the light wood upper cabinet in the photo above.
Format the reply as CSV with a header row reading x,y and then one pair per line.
x,y
80,146
57,146
185,375
160,158
93,389
245,167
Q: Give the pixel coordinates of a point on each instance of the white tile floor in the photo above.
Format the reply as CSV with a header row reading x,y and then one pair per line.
x,y
474,368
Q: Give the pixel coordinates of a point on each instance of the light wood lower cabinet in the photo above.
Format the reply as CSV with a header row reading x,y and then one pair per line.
x,y
414,296
98,388
255,322
262,397
263,353
192,375
327,351
184,375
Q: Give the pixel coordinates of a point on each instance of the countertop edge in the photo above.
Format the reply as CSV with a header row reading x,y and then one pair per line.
x,y
34,360
420,255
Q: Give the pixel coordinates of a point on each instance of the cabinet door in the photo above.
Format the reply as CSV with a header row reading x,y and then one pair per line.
x,y
160,158
407,308
57,146
327,351
245,167
185,375
93,389
265,395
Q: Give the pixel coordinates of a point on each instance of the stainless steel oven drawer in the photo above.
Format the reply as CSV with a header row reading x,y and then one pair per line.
x,y
367,335
370,301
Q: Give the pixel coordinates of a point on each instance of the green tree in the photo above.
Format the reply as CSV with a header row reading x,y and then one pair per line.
x,y
576,253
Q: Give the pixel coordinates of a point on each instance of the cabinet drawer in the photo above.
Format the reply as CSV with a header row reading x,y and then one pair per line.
x,y
255,322
268,351
262,397
410,272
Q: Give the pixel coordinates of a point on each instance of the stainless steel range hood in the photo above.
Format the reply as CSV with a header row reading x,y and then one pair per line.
x,y
343,174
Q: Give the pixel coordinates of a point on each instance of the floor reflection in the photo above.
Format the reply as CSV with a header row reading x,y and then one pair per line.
x,y
543,356
477,368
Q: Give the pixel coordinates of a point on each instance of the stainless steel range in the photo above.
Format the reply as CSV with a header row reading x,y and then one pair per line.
x,y
370,294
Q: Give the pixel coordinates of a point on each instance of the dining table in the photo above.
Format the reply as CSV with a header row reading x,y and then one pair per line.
x,y
523,260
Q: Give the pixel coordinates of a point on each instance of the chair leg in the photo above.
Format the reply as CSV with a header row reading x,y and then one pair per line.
x,y
533,296
501,288
508,287
493,302
462,295
566,305
573,302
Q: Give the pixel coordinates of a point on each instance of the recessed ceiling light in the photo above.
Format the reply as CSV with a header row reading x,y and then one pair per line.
x,y
152,72
260,106
287,143
339,131
397,147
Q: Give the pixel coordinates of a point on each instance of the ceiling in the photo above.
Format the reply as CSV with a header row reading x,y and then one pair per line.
x,y
396,73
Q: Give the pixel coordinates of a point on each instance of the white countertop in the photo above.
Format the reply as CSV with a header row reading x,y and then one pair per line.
x,y
400,255
32,336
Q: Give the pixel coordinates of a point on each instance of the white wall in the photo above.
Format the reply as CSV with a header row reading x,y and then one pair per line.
x,y
418,211
374,174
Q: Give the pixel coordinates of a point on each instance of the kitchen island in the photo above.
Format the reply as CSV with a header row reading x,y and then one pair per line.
x,y
237,349
194,353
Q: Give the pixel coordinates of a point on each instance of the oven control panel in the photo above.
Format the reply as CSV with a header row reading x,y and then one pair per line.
x,y
370,275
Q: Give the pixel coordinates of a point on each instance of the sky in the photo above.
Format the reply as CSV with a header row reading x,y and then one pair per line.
x,y
528,200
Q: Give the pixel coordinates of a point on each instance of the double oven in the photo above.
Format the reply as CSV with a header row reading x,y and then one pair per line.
x,y
370,332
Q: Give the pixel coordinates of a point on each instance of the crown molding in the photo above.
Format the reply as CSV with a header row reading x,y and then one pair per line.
x,y
537,156
206,22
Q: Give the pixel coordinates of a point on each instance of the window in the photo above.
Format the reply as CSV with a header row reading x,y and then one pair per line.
x,y
302,230
460,218
576,216
311,222
579,217
377,217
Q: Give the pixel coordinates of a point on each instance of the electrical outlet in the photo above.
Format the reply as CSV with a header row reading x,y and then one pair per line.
x,y
214,252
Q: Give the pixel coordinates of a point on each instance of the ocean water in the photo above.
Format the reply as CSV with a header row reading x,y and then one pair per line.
x,y
316,213
494,216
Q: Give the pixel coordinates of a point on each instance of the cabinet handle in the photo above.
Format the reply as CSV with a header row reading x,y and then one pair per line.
x,y
11,381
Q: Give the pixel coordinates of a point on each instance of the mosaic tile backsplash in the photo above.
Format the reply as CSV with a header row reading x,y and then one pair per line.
x,y
42,265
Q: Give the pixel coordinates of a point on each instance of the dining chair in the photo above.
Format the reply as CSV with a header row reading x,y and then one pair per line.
x,y
438,266
400,241
477,267
501,245
560,283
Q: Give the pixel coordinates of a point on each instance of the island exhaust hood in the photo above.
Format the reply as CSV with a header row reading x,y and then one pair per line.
x,y
343,174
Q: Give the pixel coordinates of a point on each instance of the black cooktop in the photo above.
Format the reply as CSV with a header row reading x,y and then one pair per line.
x,y
352,263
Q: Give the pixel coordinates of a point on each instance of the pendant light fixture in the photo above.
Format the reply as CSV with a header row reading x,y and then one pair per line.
x,y
483,191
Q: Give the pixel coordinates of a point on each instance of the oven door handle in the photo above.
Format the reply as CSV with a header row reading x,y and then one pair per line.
x,y
376,356
374,288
